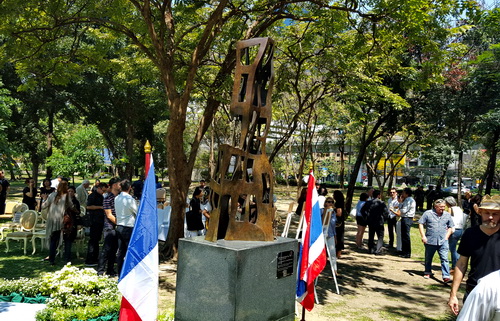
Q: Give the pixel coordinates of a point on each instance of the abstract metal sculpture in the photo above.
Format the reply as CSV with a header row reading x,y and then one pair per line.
x,y
242,188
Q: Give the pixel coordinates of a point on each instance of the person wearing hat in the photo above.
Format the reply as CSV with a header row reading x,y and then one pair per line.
x,y
480,244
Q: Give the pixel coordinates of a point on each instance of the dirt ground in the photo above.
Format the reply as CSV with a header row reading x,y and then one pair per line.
x,y
377,288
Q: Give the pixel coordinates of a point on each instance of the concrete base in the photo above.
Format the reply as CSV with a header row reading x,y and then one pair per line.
x,y
236,280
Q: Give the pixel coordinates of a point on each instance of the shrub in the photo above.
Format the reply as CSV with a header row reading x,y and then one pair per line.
x,y
75,294
71,287
28,287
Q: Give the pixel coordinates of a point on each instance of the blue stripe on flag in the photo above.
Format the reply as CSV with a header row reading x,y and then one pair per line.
x,y
145,235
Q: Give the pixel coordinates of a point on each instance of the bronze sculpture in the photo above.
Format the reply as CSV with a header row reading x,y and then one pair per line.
x,y
242,188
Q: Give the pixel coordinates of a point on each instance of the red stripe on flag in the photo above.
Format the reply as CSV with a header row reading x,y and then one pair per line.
x,y
309,271
127,312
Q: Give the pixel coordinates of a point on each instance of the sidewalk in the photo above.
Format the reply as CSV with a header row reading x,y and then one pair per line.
x,y
11,311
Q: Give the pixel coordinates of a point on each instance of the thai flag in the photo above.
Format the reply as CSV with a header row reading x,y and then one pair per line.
x,y
312,257
138,281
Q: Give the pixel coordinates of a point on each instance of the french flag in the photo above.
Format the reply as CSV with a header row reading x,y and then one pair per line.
x,y
138,281
312,257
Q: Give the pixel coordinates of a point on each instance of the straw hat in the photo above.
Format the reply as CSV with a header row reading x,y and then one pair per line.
x,y
490,203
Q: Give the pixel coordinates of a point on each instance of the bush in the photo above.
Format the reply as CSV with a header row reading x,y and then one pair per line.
x,y
75,294
106,310
28,287
71,287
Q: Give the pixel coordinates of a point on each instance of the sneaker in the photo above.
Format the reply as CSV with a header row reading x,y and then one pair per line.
x,y
447,280
427,276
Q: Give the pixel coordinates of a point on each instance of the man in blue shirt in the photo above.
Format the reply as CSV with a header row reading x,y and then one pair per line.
x,y
439,227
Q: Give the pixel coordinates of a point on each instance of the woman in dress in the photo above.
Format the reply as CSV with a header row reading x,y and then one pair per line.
x,y
194,222
45,191
57,204
338,196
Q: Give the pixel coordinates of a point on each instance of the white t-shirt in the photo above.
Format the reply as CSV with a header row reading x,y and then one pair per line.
x,y
458,217
483,303
321,201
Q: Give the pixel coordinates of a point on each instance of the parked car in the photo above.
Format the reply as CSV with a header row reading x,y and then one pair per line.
x,y
454,189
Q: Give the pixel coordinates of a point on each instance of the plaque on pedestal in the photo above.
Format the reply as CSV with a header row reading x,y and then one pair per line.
x,y
236,280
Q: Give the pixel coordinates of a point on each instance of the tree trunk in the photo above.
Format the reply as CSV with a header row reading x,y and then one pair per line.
x,y
342,163
492,163
180,179
354,175
212,161
35,164
459,176
129,166
442,177
50,140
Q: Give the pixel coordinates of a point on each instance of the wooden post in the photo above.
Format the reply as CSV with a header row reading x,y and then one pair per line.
x,y
147,163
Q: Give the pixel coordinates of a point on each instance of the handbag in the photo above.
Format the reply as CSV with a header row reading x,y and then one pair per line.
x,y
67,222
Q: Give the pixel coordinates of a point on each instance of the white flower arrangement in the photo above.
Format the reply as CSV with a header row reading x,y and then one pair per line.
x,y
72,287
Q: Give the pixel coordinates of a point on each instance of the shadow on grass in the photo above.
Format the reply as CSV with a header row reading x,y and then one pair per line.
x,y
361,274
166,285
15,264
412,313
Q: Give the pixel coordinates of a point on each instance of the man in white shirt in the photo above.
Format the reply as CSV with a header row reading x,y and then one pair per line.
x,y
126,212
407,212
393,206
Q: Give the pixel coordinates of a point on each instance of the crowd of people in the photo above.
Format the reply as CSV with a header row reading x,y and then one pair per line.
x,y
110,212
105,211
473,227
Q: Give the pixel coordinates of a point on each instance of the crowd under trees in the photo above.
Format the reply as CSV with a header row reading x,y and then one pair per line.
x,y
381,79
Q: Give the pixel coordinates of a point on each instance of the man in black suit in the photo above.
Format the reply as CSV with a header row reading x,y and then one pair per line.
x,y
377,212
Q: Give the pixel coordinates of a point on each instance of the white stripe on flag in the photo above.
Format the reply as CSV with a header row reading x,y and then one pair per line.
x,y
140,286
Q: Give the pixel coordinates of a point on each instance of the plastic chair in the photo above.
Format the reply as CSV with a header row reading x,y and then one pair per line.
x,y
28,222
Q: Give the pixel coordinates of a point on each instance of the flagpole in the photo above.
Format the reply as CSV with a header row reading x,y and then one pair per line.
x,y
311,167
147,163
303,314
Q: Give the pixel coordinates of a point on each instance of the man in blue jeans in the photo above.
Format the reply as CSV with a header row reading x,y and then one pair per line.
x,y
438,227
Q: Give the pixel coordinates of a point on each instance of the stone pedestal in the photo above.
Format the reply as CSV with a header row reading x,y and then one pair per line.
x,y
236,280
